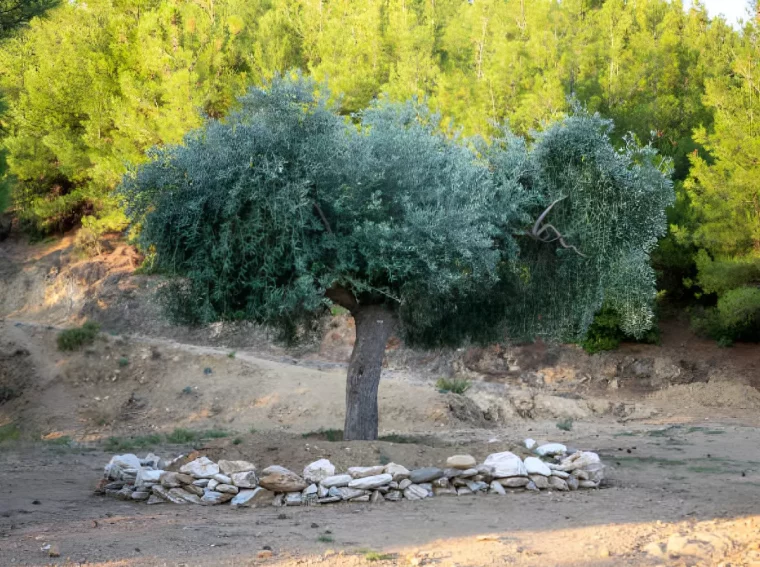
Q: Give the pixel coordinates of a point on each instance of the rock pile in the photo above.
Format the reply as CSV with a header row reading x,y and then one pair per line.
x,y
202,481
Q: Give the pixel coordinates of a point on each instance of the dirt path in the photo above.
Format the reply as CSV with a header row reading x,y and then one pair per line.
x,y
678,480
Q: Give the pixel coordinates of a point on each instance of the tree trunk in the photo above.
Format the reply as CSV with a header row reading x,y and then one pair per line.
x,y
374,324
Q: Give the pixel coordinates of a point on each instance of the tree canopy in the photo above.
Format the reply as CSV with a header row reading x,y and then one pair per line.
x,y
285,205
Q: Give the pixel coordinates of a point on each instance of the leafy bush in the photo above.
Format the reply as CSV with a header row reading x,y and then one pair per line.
x,y
565,424
736,317
121,444
605,333
455,385
73,339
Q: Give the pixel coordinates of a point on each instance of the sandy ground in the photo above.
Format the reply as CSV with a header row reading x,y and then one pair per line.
x,y
681,442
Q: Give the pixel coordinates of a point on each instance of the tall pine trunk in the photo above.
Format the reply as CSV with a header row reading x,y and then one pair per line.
x,y
374,324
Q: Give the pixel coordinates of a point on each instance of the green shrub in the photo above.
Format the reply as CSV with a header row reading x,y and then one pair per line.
x,y
326,434
605,333
736,317
565,424
122,444
455,385
73,339
9,432
123,361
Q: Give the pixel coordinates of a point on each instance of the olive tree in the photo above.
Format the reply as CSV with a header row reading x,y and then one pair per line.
x,y
286,207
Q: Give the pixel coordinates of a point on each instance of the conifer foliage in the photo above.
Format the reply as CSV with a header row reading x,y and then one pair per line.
x,y
285,206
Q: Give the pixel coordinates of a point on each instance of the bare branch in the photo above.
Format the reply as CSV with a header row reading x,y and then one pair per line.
x,y
539,231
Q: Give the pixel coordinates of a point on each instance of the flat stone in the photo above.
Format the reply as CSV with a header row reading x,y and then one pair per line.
x,y
140,495
513,482
393,485
156,499
293,499
202,467
477,486
362,472
459,481
175,480
212,484
588,484
561,474
227,489
244,479
486,471
337,480
231,467
535,465
505,465
541,482
377,497
394,496
572,482
145,476
318,471
428,474
462,462
529,443
212,498
370,482
551,449
322,491
404,484
347,493
415,492
398,472
202,482
444,491
329,499
427,486
280,479
531,486
464,491
192,489
362,498
442,482
253,498
222,479
497,488
383,489
557,483
166,494
181,493
311,489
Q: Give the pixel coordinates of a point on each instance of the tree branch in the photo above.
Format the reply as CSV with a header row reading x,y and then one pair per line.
x,y
343,297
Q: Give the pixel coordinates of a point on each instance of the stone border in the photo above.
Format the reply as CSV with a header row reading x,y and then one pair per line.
x,y
202,481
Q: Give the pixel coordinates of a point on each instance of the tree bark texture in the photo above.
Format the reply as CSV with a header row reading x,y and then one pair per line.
x,y
374,325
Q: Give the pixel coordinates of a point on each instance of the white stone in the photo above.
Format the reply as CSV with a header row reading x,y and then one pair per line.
x,y
347,493
362,472
202,482
146,476
398,472
514,481
505,464
322,492
529,443
212,484
244,479
222,479
404,484
253,498
535,465
415,492
311,489
558,484
561,474
211,497
461,462
551,449
231,467
120,463
370,482
497,488
293,499
541,481
584,460
202,467
318,471
337,480
227,488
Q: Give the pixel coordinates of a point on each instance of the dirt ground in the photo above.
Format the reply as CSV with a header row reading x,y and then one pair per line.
x,y
677,425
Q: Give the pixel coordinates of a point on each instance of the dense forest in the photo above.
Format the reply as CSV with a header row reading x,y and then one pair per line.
x,y
89,87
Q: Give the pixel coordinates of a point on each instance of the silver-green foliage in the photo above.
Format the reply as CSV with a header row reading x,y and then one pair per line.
x,y
263,212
